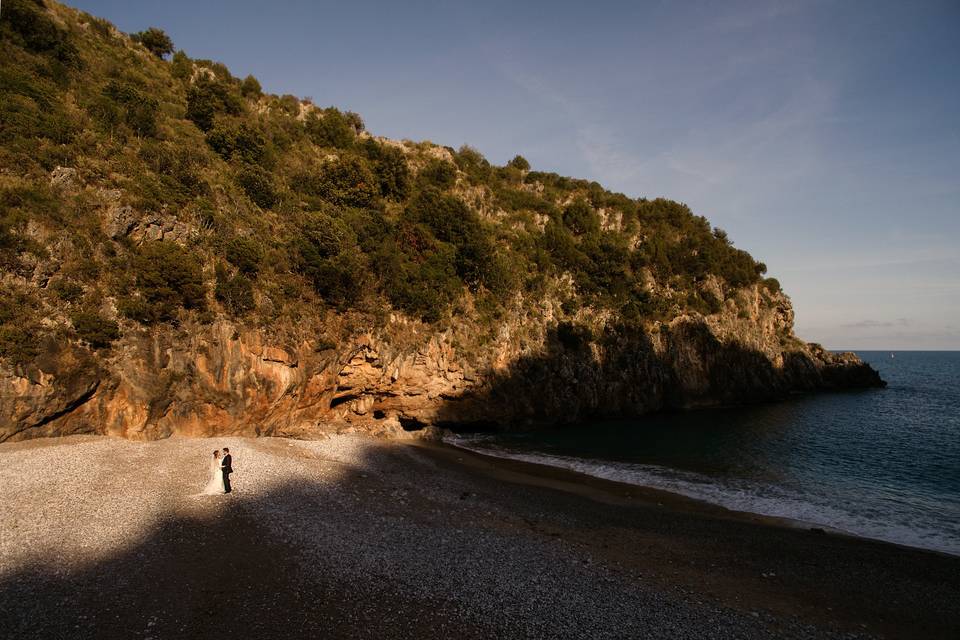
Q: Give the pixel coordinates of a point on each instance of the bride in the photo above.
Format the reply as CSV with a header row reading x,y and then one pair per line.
x,y
216,476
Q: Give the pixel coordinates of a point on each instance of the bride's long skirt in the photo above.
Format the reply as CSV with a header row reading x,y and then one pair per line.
x,y
215,485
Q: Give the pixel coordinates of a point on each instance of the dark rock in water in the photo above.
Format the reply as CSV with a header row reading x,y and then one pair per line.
x,y
847,371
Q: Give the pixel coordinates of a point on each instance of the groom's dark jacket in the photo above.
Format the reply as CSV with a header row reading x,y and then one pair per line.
x,y
227,463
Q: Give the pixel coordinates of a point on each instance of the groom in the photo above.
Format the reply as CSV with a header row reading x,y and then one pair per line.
x,y
225,466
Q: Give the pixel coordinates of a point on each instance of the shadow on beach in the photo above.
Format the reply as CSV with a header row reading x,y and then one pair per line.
x,y
215,569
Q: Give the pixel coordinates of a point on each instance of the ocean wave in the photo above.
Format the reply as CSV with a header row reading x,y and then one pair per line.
x,y
812,509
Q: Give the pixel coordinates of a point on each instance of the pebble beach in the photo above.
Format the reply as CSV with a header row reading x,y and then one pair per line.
x,y
355,537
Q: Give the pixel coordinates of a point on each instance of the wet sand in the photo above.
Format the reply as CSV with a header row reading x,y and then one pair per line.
x,y
358,538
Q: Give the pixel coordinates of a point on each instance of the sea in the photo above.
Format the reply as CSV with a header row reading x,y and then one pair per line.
x,y
876,463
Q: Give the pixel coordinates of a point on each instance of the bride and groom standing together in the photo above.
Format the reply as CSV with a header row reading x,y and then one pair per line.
x,y
220,470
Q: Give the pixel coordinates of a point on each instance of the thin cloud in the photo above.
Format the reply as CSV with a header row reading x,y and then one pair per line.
x,y
878,324
928,256
752,16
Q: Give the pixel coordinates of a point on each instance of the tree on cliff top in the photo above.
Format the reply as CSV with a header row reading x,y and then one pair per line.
x,y
519,162
155,40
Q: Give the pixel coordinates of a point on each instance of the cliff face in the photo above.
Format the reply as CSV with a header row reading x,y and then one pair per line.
x,y
223,379
183,253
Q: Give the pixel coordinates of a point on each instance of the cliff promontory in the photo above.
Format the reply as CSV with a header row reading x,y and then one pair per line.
x,y
182,253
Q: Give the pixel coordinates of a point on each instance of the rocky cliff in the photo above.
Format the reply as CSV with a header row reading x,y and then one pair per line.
x,y
225,379
181,253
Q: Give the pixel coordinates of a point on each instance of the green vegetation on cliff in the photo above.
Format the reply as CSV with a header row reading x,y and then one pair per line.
x,y
268,206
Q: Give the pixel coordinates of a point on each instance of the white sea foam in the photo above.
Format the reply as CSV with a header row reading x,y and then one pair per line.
x,y
743,495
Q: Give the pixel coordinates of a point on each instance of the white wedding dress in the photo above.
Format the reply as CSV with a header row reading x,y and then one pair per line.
x,y
215,485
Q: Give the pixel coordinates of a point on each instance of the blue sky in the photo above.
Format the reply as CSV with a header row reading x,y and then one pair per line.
x,y
823,136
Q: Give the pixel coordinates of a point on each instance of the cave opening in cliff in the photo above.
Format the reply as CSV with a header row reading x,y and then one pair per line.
x,y
336,402
379,415
411,424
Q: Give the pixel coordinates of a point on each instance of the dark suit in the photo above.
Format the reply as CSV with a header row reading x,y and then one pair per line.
x,y
227,470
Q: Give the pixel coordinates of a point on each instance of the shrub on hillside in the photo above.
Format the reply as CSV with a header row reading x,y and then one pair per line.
x,y
124,103
330,128
179,169
517,200
322,235
508,176
206,98
250,88
652,253
234,141
19,343
606,271
95,330
519,162
155,40
354,121
389,165
289,104
66,290
30,200
235,292
180,66
32,107
419,273
340,279
601,263
703,302
451,221
682,244
245,254
258,185
167,278
438,173
580,218
10,244
19,331
472,163
370,226
562,247
600,197
445,215
283,134
345,182
325,252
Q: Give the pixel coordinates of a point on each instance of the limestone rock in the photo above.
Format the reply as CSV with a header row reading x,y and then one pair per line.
x,y
276,354
120,221
64,179
160,227
400,382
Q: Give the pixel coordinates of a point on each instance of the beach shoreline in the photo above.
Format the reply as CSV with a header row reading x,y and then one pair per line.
x,y
803,535
677,498
358,537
